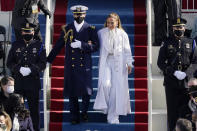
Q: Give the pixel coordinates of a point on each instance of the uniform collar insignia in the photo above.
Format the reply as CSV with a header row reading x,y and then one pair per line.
x,y
170,46
18,50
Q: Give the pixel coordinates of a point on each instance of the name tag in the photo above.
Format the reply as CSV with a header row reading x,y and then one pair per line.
x,y
34,9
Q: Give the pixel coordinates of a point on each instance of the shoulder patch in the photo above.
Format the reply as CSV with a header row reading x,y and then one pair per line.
x,y
92,27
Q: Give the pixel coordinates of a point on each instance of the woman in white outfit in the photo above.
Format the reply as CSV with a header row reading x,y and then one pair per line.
x,y
115,64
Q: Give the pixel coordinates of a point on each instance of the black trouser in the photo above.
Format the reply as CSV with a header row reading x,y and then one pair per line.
x,y
74,106
161,8
37,34
176,98
29,88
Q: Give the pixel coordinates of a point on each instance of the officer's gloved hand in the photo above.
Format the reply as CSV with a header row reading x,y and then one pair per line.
x,y
25,71
48,64
76,44
28,70
180,75
48,13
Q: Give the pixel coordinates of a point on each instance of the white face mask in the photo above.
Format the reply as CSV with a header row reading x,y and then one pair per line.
x,y
10,89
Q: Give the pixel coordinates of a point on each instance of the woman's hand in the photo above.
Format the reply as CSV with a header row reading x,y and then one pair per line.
x,y
129,69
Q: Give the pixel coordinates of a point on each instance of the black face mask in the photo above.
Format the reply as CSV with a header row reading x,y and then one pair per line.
x,y
79,19
179,33
28,37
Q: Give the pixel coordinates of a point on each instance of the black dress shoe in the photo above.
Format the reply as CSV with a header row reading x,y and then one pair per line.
x,y
84,117
74,122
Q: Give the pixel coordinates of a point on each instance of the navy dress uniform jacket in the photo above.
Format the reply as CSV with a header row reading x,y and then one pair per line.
x,y
32,56
169,59
78,62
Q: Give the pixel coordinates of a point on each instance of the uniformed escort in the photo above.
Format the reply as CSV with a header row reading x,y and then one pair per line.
x,y
176,55
26,11
80,40
26,59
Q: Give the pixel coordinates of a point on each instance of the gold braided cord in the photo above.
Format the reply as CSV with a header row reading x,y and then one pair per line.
x,y
67,33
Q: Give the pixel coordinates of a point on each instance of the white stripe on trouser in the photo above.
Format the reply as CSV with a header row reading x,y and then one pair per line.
x,y
112,116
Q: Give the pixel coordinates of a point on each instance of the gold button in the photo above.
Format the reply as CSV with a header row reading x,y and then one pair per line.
x,y
81,65
73,58
73,51
73,65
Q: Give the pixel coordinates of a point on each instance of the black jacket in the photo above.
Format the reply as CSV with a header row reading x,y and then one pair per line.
x,y
18,19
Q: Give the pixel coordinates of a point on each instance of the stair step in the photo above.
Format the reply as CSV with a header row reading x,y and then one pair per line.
x,y
139,60
66,126
139,40
57,104
140,83
90,18
137,94
136,51
140,72
138,117
129,28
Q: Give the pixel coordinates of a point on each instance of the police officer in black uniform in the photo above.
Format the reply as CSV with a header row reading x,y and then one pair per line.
x,y
26,11
176,57
26,59
162,7
80,40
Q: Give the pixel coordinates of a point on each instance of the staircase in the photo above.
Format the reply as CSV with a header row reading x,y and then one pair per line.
x,y
133,18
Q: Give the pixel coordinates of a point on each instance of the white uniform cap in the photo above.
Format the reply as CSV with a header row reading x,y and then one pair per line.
x,y
79,9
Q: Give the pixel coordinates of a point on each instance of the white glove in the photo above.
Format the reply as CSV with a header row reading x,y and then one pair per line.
x,y
25,71
180,75
76,44
48,64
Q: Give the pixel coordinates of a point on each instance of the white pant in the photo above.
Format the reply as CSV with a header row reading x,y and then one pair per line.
x,y
112,116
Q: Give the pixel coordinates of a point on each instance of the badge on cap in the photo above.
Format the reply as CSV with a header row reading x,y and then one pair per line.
x,y
27,25
178,20
79,9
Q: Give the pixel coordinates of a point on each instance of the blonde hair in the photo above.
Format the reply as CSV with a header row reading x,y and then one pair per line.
x,y
8,121
115,16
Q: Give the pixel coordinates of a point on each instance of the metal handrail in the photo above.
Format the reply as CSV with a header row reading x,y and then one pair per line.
x,y
149,63
190,10
46,72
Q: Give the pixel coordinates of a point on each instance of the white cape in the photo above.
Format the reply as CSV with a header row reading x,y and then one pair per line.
x,y
123,57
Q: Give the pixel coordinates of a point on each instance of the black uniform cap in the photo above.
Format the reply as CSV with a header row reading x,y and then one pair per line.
x,y
179,22
27,27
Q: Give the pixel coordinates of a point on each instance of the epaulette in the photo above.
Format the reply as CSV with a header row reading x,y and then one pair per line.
x,y
92,27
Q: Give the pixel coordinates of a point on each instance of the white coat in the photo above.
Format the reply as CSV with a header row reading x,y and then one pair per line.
x,y
123,58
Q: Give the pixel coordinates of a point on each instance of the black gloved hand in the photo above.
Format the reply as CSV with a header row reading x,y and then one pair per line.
x,y
48,13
